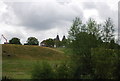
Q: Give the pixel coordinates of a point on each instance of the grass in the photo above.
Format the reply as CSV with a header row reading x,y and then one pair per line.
x,y
19,60
67,51
30,52
21,69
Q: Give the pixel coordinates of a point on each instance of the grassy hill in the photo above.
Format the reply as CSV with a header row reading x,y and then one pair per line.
x,y
19,60
30,52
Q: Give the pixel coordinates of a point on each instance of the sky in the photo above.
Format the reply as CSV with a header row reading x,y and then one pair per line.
x,y
45,19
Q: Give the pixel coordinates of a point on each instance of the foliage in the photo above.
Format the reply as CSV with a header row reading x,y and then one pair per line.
x,y
108,31
15,41
90,62
42,71
64,71
111,45
32,41
83,43
103,61
75,28
82,48
48,42
93,28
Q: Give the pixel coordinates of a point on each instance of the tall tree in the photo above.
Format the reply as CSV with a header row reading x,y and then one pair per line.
x,y
93,28
83,39
82,46
108,30
15,40
75,28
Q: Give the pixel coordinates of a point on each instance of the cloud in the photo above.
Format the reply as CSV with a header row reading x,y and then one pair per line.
x,y
45,14
104,10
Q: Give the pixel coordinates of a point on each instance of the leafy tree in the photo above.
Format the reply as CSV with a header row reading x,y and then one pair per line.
x,y
15,41
84,42
75,28
32,41
82,48
108,31
49,42
82,39
93,28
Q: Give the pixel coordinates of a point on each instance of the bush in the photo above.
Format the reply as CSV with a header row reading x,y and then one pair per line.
x,y
64,71
42,71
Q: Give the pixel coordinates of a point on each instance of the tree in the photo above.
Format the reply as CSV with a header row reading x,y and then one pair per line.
x,y
75,28
15,41
108,31
32,41
48,42
93,28
82,42
82,46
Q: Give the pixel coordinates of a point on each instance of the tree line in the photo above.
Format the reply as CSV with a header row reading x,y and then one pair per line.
x,y
102,33
47,43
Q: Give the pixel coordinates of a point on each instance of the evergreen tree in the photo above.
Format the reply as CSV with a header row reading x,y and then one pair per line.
x,y
108,31
93,28
75,28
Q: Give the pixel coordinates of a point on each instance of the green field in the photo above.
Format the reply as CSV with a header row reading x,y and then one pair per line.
x,y
19,60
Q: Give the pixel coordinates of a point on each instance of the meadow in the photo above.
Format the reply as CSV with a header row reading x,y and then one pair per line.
x,y
19,60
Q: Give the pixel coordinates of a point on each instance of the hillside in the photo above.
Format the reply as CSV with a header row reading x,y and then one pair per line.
x,y
30,52
19,60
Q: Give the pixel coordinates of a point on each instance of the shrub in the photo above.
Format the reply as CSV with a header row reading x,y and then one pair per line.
x,y
64,71
42,71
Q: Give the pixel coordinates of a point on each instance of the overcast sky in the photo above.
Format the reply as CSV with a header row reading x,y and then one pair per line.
x,y
46,18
